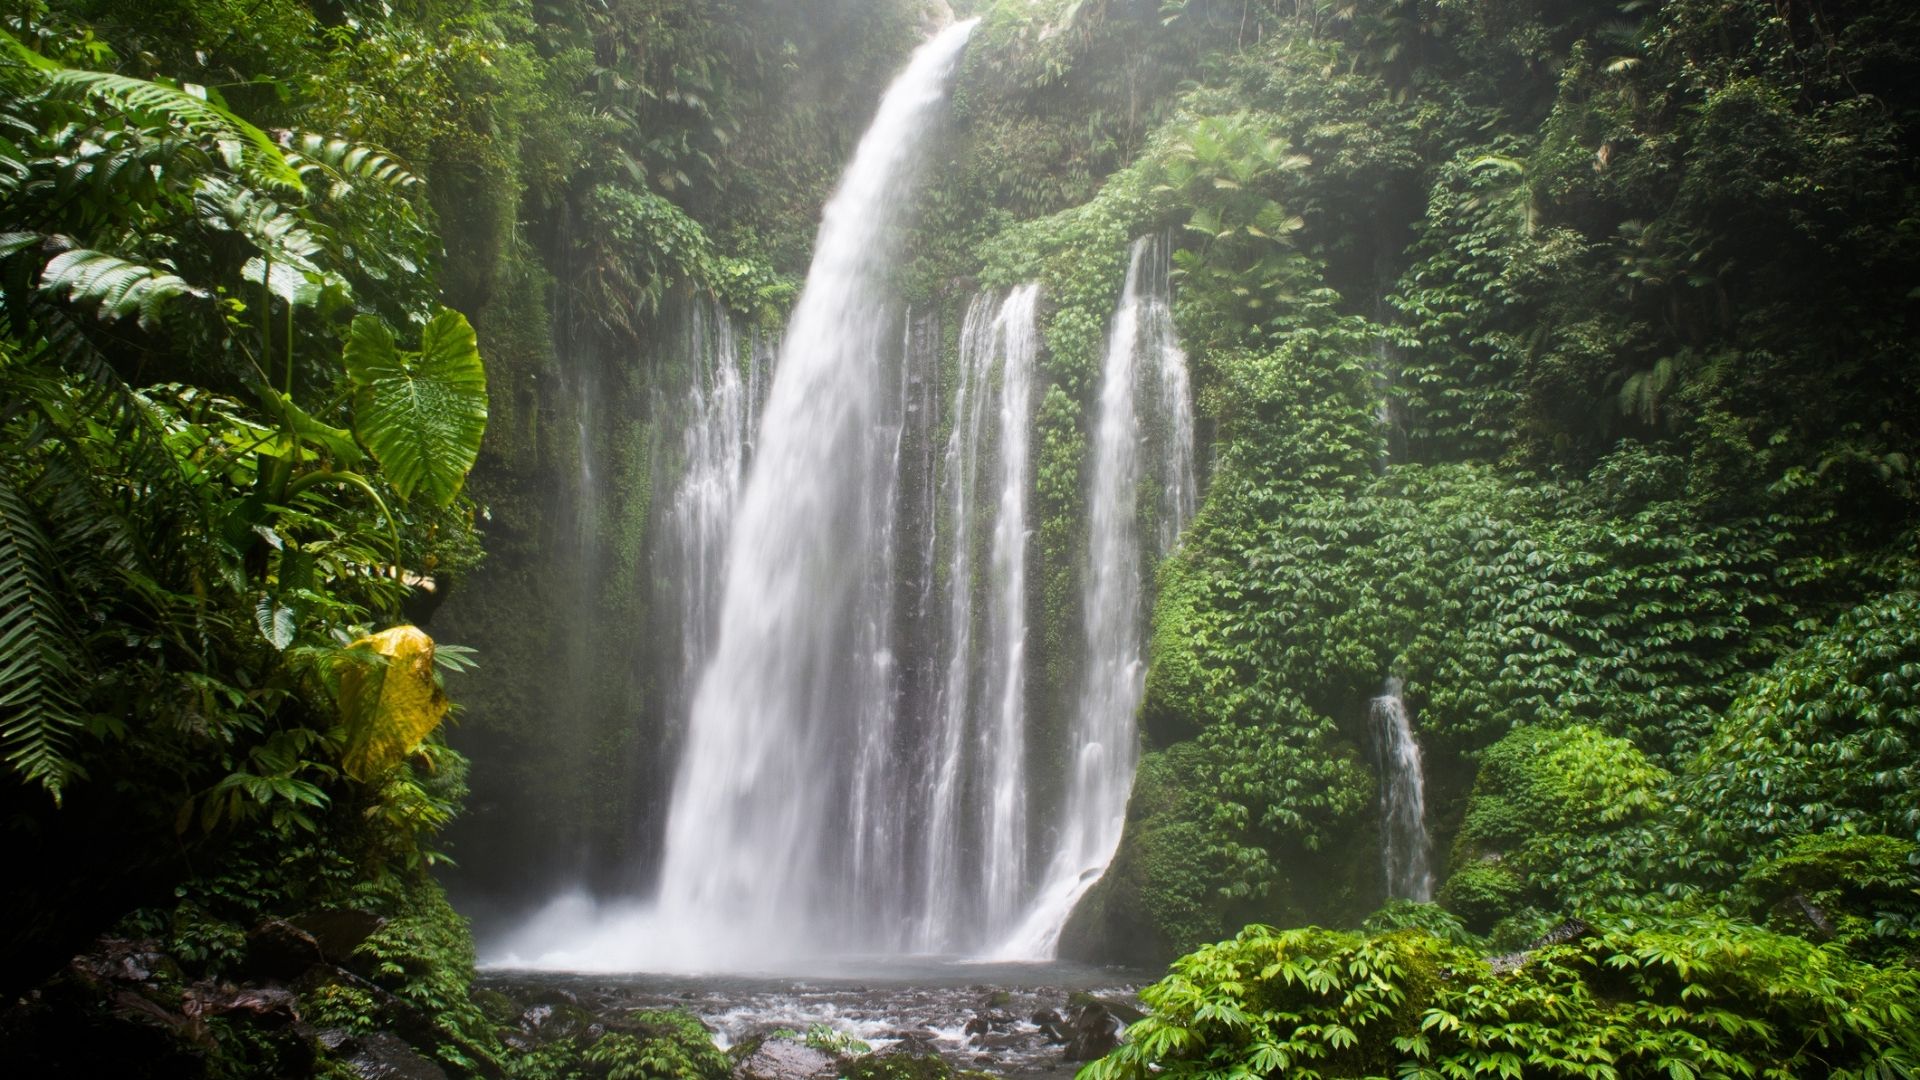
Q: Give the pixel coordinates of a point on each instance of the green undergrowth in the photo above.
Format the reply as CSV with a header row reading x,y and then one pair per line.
x,y
1646,997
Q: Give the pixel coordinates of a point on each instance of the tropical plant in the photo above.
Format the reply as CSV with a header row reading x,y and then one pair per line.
x,y
154,203
1700,997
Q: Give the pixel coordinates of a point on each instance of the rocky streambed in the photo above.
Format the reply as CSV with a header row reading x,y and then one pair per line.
x,y
926,1020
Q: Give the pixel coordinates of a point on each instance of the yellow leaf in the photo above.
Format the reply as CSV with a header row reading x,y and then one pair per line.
x,y
389,709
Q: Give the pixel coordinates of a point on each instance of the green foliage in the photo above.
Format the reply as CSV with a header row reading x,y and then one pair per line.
x,y
116,287
1701,998
646,1045
1482,893
421,413
1822,740
195,536
1861,891
642,245
1243,265
829,1040
1426,917
423,954
191,109
1559,818
36,674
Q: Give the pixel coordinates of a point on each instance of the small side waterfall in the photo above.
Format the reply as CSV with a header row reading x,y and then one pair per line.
x,y
1405,850
1143,436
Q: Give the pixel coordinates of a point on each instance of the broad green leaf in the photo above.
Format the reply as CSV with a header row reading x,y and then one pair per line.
x,y
275,620
421,413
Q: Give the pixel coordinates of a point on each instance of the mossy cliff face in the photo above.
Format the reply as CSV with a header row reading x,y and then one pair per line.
x,y
1462,431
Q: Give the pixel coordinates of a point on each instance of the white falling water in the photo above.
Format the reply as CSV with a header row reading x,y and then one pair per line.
x,y
715,441
976,807
788,831
1405,850
1142,354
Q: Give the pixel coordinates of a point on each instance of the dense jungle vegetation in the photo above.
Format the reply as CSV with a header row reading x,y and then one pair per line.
x,y
1554,358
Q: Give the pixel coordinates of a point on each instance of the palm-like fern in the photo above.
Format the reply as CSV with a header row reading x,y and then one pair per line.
x,y
342,164
38,717
242,145
116,287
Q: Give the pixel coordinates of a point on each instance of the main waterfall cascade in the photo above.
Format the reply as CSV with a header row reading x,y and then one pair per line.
x,y
1405,850
856,768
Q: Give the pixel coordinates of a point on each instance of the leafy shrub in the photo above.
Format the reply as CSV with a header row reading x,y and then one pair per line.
x,y
1825,739
1426,917
1700,997
1861,891
648,1045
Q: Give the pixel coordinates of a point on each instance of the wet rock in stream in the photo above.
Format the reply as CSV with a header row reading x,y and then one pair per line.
x,y
784,1059
796,1029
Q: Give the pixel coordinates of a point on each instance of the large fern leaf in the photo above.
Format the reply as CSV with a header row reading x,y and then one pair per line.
x,y
38,718
242,144
116,286
422,414
343,163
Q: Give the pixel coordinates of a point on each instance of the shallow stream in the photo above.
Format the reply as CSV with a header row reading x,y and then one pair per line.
x,y
988,1017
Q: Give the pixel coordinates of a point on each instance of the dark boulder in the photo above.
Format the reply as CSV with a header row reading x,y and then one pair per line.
x,y
1093,1030
339,932
381,1056
277,949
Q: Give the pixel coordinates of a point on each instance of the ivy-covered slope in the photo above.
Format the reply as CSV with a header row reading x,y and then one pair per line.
x,y
1557,361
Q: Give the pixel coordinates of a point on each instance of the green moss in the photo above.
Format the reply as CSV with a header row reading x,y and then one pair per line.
x,y
1482,893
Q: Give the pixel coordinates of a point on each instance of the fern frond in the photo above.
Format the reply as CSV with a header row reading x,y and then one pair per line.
x,y
60,376
38,717
13,167
116,286
279,233
242,144
342,163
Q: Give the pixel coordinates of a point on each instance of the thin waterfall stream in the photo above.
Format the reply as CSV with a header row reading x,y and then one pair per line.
x,y
1142,354
1405,850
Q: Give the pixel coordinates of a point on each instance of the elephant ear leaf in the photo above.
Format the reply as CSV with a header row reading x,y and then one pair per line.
x,y
421,413
389,707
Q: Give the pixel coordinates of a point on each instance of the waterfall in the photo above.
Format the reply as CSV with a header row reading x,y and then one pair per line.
x,y
787,832
1142,354
976,821
715,439
1405,849
854,595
